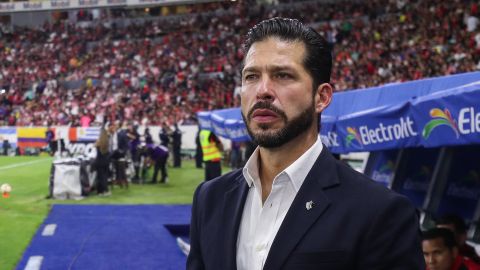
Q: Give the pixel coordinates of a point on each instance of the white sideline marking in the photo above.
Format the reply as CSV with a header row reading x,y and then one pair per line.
x,y
49,230
22,164
34,263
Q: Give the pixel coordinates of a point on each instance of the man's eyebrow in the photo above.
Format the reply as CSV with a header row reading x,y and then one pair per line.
x,y
249,69
280,68
275,68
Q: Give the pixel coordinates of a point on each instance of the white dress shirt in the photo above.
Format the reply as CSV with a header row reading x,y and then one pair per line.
x,y
260,223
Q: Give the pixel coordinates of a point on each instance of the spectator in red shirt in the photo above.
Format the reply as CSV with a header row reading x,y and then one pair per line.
x,y
441,252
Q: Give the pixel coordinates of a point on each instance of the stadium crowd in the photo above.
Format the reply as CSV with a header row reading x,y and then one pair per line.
x,y
156,70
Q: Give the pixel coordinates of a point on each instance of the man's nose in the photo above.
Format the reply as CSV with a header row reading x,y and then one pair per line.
x,y
265,89
430,259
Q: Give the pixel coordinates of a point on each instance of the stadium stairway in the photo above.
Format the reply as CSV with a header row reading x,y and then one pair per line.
x,y
109,237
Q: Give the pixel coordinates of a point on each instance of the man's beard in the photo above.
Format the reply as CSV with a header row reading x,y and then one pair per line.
x,y
276,138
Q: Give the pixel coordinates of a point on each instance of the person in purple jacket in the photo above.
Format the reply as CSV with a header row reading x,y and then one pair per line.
x,y
158,154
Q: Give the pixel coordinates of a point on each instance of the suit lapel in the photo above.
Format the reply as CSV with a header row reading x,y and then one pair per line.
x,y
233,203
298,219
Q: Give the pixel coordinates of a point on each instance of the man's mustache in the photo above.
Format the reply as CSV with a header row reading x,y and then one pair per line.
x,y
267,106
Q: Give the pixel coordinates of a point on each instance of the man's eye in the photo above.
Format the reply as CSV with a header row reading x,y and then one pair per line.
x,y
284,76
249,77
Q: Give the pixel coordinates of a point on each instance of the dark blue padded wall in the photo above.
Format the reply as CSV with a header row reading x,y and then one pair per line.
x,y
417,173
462,191
381,166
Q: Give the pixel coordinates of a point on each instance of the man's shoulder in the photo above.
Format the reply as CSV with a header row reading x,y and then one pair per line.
x,y
468,264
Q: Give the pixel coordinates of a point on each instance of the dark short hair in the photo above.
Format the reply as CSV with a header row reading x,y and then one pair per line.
x,y
318,58
442,233
455,220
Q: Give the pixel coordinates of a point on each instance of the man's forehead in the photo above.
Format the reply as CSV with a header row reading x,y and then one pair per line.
x,y
435,243
281,46
275,54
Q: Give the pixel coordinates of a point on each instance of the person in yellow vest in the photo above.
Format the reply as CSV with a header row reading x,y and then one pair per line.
x,y
212,154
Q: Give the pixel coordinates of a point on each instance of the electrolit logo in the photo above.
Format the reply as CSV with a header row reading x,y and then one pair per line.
x,y
440,118
468,121
330,139
353,135
382,133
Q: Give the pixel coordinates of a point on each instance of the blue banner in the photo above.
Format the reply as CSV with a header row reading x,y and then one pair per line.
x,y
449,118
328,133
204,120
236,130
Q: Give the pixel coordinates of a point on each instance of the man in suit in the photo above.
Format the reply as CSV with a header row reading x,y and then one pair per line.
x,y
294,206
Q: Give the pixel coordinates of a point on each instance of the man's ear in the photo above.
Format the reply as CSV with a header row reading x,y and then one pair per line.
x,y
323,97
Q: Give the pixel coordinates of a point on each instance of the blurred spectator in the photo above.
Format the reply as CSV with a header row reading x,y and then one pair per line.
x,y
158,155
235,155
118,146
135,155
5,147
52,143
198,151
212,154
164,135
147,136
441,253
101,163
457,225
176,146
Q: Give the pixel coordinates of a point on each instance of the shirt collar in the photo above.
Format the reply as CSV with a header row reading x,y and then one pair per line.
x,y
250,170
297,171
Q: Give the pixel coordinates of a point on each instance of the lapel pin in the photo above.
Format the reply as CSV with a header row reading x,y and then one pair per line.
x,y
309,205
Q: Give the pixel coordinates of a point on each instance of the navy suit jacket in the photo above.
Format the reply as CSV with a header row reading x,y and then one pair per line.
x,y
355,224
